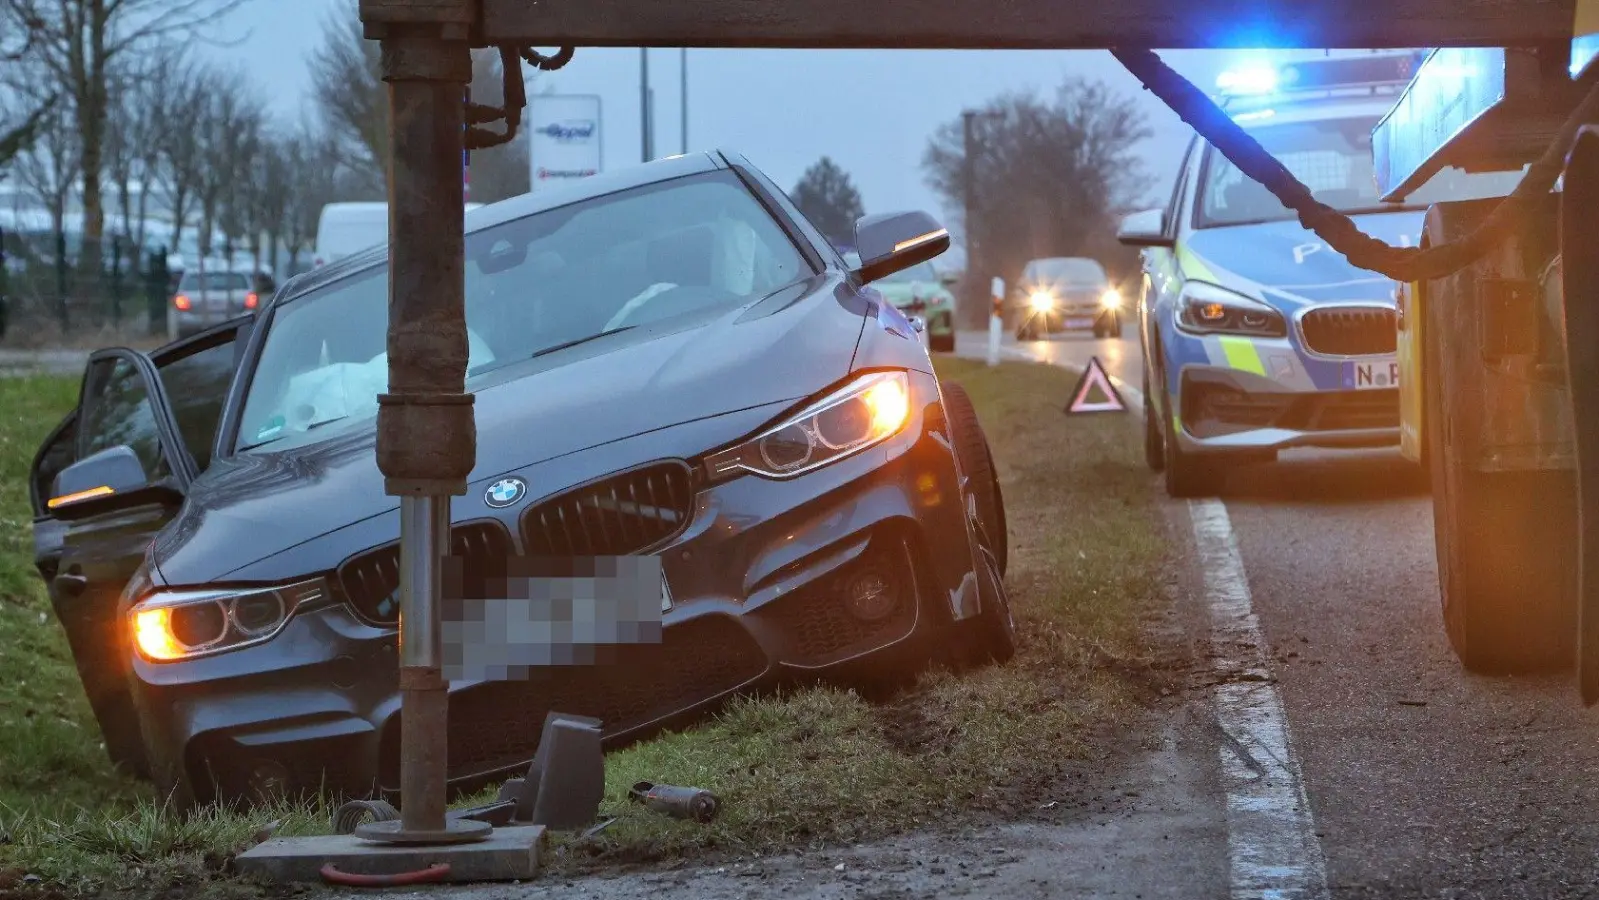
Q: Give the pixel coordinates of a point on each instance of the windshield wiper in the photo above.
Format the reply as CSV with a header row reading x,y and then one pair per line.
x,y
582,340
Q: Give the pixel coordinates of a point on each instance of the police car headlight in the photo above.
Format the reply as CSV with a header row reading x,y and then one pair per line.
x,y
1207,309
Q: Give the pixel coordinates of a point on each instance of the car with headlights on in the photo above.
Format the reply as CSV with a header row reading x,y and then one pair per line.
x,y
1066,293
669,363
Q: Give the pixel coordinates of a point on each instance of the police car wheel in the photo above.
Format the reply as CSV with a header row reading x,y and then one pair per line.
x,y
1154,441
1189,474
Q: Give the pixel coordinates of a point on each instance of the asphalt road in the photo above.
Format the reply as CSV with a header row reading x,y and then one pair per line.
x,y
1422,780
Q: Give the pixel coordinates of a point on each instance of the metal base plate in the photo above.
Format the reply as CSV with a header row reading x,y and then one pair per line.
x,y
455,831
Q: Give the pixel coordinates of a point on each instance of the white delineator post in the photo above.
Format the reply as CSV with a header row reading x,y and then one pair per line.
x,y
996,320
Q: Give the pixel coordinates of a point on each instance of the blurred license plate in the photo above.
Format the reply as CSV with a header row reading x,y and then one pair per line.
x,y
666,593
1365,376
1080,323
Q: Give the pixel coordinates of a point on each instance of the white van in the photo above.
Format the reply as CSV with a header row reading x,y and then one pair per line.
x,y
347,228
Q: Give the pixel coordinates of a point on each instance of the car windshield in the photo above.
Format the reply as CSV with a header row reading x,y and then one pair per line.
x,y
1067,272
215,281
923,272
664,252
1333,158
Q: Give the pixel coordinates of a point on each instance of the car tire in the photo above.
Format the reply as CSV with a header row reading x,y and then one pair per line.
x,y
993,630
942,343
1154,438
1188,474
1507,559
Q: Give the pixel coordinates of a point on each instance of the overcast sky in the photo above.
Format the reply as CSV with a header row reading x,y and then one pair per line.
x,y
872,111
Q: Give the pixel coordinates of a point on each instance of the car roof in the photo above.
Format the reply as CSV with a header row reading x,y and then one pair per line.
x,y
523,205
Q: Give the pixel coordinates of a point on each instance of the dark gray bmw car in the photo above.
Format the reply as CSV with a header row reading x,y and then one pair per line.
x,y
668,362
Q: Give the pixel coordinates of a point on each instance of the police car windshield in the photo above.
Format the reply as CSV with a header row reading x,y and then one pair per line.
x,y
677,250
1333,158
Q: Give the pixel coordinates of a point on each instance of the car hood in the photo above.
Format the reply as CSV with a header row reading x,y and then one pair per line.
x,y
1287,266
254,505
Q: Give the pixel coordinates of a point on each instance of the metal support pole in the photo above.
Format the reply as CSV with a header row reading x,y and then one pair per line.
x,y
968,204
996,320
427,435
645,150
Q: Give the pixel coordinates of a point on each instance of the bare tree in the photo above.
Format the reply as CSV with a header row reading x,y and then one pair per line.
x,y
314,159
226,135
350,96
179,90
1047,177
78,44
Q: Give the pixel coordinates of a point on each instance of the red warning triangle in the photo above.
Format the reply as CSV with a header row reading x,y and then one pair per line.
x,y
1094,377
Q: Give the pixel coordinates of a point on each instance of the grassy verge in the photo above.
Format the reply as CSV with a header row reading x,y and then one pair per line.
x,y
818,766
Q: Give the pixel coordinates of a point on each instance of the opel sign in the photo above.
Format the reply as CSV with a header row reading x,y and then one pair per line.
x,y
564,138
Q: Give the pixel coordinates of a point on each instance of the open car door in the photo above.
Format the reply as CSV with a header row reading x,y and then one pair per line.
x,y
111,476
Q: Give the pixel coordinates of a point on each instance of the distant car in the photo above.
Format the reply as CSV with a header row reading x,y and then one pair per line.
x,y
1066,294
344,229
667,361
921,291
204,299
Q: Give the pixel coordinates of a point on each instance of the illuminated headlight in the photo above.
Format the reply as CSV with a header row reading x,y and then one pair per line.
x,y
862,414
1207,309
169,626
1041,301
1111,299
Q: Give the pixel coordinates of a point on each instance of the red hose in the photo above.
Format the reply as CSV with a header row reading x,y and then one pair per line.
x,y
433,873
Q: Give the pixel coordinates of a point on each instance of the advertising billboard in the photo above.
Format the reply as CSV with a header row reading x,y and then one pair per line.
x,y
563,138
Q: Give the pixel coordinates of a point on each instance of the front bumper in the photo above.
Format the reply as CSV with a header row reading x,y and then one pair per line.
x,y
1085,317
756,580
1222,410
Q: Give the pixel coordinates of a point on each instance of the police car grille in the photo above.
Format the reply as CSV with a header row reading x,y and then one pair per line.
x,y
633,512
371,582
1350,331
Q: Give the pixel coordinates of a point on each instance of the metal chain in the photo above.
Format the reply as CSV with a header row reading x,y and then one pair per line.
x,y
515,90
1332,226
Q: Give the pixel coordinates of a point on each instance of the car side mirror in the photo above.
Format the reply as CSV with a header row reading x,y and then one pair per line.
x,y
890,242
1144,229
110,480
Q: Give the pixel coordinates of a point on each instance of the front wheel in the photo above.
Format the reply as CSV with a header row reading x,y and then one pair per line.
x,y
1188,474
1154,439
990,635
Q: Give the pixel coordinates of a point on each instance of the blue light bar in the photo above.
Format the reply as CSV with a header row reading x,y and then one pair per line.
x,y
1259,79
1454,88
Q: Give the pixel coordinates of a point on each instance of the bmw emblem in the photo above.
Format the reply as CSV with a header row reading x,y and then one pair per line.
x,y
505,492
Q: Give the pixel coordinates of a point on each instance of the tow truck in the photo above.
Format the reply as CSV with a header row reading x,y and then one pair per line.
x,y
1486,386
1479,319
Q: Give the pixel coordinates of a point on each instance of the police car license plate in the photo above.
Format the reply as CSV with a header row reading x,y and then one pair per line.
x,y
1080,323
1366,376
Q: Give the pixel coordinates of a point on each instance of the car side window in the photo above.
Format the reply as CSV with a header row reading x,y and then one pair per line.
x,y
60,451
116,410
197,385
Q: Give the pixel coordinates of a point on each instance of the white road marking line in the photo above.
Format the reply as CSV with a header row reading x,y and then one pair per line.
x,y
1271,835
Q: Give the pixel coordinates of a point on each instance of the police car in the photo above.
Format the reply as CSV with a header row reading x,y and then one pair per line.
x,y
1258,337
